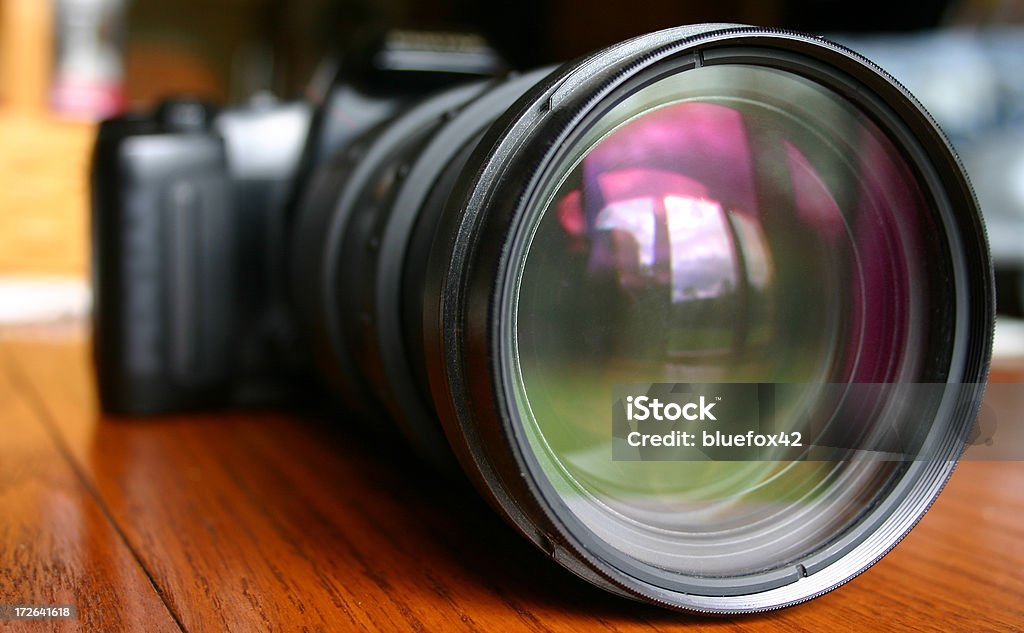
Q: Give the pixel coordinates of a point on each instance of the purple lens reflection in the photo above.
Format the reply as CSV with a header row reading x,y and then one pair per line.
x,y
653,206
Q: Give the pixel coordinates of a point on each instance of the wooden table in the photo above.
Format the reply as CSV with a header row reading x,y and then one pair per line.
x,y
266,521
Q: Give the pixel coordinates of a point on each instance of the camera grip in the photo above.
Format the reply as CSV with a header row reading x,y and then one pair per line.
x,y
163,271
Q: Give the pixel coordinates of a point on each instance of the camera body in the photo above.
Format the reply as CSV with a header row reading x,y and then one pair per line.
x,y
192,216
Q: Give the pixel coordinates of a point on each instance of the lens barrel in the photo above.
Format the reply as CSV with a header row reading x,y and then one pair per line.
x,y
709,204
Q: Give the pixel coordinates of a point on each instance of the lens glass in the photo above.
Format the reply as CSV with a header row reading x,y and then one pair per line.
x,y
726,224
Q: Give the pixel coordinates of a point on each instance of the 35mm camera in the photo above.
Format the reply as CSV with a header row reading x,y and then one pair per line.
x,y
482,257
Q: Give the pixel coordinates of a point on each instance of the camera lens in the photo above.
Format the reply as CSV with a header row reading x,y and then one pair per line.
x,y
709,205
732,223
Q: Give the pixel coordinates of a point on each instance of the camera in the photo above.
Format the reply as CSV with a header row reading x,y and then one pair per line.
x,y
490,259
193,209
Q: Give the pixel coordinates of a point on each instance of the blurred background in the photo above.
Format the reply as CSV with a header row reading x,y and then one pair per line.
x,y
64,64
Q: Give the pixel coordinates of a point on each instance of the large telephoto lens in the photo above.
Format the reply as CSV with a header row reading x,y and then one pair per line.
x,y
709,209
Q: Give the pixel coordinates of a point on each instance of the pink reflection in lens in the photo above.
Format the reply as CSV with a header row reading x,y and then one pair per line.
x,y
704,143
654,200
678,205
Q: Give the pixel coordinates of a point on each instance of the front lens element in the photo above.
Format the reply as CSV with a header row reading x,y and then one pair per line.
x,y
727,224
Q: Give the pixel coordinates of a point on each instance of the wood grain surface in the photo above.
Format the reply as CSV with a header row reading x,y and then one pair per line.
x,y
242,521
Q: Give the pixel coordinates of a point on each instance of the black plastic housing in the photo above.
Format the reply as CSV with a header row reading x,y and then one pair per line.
x,y
162,330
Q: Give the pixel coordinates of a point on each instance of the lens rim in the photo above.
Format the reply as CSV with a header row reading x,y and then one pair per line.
x,y
479,245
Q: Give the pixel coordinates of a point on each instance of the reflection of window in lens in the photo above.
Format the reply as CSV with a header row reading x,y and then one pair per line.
x,y
703,263
662,230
